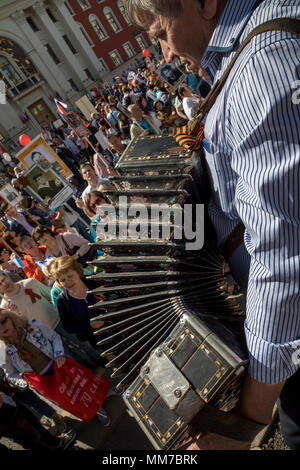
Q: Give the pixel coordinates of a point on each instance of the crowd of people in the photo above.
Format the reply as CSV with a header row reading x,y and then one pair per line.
x,y
44,316
250,161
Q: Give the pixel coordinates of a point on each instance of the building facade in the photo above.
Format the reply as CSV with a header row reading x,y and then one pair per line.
x,y
57,49
108,30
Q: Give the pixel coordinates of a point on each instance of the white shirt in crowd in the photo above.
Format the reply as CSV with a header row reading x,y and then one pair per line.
x,y
33,301
190,106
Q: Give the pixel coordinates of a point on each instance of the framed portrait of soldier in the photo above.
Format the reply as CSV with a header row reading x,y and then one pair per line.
x,y
47,187
10,195
40,153
172,75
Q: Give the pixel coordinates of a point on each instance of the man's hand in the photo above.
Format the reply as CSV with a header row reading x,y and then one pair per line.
x,y
256,404
59,361
211,441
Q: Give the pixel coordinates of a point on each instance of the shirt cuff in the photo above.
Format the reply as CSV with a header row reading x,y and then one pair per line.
x,y
271,362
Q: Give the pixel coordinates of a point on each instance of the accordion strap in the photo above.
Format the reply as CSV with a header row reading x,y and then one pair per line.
x,y
289,25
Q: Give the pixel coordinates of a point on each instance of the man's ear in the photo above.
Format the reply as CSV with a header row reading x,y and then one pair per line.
x,y
209,8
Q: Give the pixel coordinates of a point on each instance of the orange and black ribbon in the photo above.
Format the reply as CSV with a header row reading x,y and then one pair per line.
x,y
188,139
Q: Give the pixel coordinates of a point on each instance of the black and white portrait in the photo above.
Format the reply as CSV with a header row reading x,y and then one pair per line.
x,y
10,195
171,74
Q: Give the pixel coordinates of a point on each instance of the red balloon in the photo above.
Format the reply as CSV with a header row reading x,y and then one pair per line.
x,y
24,140
146,53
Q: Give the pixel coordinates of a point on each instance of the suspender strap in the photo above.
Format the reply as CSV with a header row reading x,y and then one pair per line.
x,y
289,25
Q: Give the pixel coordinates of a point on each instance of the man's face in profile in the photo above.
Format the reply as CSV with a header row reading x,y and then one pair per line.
x,y
187,35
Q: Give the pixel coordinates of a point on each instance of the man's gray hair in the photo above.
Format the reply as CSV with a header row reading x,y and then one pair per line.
x,y
139,10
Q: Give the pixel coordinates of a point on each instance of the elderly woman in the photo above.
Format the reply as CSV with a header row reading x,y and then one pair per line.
x,y
74,300
32,347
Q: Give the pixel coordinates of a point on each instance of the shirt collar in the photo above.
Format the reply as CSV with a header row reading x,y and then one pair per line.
x,y
229,28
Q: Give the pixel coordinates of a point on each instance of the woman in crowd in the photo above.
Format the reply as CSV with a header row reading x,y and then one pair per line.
x,y
7,263
75,299
35,209
164,114
72,220
32,254
94,199
85,351
101,163
124,125
143,104
106,127
190,102
111,116
62,244
32,347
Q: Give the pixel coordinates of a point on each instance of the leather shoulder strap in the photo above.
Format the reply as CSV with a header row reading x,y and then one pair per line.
x,y
289,25
280,24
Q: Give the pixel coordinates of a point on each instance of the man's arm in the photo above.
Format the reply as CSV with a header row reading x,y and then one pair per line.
x,y
262,132
257,400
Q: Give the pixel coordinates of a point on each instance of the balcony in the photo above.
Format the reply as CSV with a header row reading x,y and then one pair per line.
x,y
23,87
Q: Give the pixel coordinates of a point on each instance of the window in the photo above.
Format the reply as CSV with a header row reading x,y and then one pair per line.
x,y
88,73
84,4
123,11
112,20
129,49
102,66
116,58
73,84
69,44
85,34
69,8
52,54
98,28
51,16
32,24
141,41
9,73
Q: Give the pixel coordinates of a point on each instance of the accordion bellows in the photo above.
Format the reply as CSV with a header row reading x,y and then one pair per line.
x,y
171,336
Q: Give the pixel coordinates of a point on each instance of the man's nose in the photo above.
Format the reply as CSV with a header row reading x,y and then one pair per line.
x,y
167,52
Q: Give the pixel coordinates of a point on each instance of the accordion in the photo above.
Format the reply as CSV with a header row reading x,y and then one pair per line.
x,y
171,335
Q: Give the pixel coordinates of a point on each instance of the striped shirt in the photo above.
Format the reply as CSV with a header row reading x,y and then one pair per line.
x,y
252,148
